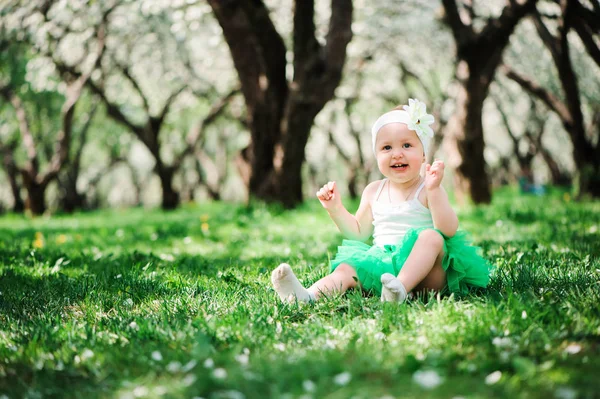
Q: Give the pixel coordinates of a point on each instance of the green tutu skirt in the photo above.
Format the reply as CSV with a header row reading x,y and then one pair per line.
x,y
465,268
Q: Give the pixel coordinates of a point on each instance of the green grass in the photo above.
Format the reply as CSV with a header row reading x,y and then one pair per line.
x,y
141,303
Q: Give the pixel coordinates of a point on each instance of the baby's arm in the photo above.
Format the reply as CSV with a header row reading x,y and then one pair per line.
x,y
355,227
444,217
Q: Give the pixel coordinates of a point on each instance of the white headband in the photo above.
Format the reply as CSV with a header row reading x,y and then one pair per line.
x,y
414,115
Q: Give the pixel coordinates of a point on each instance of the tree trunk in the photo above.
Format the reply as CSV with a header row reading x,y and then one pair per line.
x,y
558,177
71,199
586,154
36,193
478,55
288,181
588,168
170,197
465,143
281,113
12,173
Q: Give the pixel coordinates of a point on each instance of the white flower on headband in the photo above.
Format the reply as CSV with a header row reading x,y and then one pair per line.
x,y
419,118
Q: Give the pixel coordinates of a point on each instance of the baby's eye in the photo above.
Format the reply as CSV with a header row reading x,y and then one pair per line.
x,y
406,145
387,147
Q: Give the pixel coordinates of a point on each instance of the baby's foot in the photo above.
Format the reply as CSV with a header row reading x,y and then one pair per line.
x,y
392,289
287,285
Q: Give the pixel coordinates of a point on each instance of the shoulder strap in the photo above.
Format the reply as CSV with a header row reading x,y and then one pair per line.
x,y
379,189
419,190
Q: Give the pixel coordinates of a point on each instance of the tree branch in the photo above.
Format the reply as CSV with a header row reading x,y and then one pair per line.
x,y
167,106
197,130
586,37
551,101
338,35
73,94
269,40
549,41
125,70
306,45
462,31
32,159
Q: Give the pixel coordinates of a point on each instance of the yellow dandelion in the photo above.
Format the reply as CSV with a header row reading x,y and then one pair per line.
x,y
38,242
204,227
61,239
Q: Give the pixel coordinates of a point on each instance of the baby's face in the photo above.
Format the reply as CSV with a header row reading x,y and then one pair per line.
x,y
399,152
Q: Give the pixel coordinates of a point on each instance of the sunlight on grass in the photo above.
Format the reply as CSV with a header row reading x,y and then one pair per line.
x,y
142,303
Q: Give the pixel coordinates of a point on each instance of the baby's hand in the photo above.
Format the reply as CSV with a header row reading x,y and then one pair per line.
x,y
434,174
329,196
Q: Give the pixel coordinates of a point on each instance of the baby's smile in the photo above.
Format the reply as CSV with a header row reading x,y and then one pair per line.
x,y
399,165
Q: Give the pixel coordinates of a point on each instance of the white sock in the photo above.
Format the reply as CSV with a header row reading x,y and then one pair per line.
x,y
288,286
392,289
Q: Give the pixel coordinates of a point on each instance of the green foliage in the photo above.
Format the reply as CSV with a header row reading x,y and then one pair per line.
x,y
141,303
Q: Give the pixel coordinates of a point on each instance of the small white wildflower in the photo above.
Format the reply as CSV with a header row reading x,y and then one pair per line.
x,y
153,237
173,367
128,302
573,349
379,336
209,363
309,386
242,359
493,378
87,354
118,276
120,233
329,344
219,373
140,391
565,393
503,342
133,325
188,366
187,240
342,378
157,356
279,346
524,315
427,379
189,380
231,394
167,257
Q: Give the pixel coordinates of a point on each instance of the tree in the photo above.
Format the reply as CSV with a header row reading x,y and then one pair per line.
x,y
70,198
147,124
34,180
281,113
586,143
531,137
478,54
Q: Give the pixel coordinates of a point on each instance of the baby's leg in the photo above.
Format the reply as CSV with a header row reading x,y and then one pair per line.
x,y
289,287
341,279
422,269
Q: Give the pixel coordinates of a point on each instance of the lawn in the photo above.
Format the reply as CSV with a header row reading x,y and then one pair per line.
x,y
142,303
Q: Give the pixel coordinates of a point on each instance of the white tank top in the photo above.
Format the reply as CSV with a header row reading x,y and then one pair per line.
x,y
392,221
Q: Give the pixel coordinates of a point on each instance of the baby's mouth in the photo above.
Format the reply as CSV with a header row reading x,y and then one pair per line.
x,y
399,165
